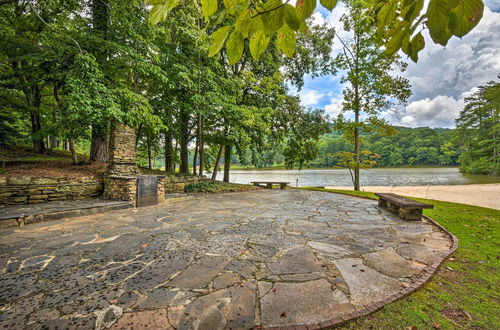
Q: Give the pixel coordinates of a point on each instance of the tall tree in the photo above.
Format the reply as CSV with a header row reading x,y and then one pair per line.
x,y
369,86
478,128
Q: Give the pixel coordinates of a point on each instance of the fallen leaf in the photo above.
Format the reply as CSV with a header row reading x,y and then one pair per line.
x,y
284,314
274,290
144,245
334,286
405,285
362,270
437,326
354,265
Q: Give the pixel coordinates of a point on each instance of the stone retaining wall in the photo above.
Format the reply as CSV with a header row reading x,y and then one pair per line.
x,y
29,190
175,184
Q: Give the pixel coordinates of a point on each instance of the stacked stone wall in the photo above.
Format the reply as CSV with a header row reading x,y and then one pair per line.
x,y
177,183
30,190
122,188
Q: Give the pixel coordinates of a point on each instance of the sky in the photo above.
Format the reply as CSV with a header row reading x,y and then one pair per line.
x,y
440,80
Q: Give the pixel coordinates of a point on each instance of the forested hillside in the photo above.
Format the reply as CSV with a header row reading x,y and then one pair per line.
x,y
407,147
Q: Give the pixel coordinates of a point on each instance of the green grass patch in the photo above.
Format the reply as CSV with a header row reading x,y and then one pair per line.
x,y
465,292
217,186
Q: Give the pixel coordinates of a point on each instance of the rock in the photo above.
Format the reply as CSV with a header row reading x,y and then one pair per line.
x,y
199,274
298,260
156,319
366,286
329,249
230,308
301,303
390,263
107,317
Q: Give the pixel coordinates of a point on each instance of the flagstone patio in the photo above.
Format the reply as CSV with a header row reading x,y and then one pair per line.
x,y
213,261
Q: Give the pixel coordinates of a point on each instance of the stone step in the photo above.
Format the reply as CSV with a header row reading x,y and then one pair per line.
x,y
20,215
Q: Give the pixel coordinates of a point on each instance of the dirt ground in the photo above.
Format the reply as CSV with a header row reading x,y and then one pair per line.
x,y
485,195
51,169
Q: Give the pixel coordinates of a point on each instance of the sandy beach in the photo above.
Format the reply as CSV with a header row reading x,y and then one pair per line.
x,y
486,195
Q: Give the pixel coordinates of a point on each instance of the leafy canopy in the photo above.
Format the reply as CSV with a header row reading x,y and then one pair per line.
x,y
399,22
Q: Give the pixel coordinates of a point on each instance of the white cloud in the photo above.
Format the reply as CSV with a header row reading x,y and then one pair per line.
x,y
439,111
309,97
461,65
334,107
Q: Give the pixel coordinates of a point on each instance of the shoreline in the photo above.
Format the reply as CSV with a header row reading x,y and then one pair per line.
x,y
485,195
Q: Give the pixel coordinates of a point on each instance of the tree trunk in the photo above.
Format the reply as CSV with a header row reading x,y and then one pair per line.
x,y
217,163
169,153
357,149
100,24
227,162
99,144
202,146
184,141
74,155
357,152
195,155
150,164
36,121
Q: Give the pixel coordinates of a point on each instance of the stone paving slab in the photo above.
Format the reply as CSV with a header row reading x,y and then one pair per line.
x,y
216,261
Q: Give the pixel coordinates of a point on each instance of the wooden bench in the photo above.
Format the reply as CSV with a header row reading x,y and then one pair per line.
x,y
408,209
269,184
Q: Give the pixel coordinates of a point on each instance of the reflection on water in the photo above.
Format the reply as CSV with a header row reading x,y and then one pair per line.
x,y
371,177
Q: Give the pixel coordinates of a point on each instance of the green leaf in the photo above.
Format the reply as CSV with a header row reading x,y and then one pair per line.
x,y
395,42
291,18
208,8
438,20
329,4
416,45
405,44
258,44
273,20
465,16
305,8
234,47
234,7
286,40
386,16
160,11
217,40
244,23
411,9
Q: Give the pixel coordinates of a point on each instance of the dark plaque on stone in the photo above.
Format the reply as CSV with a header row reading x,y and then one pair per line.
x,y
147,190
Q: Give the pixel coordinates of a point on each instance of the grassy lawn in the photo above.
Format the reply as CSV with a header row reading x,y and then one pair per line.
x,y
465,293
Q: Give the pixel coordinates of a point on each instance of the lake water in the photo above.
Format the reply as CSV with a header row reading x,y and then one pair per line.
x,y
371,177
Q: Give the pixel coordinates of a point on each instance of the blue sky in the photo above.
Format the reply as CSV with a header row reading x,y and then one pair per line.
x,y
440,80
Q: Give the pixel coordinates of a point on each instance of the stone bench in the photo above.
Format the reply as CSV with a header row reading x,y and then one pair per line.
x,y
269,184
407,209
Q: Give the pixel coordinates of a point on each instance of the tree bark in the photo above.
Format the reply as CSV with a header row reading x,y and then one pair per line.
x,y
99,144
53,139
217,163
357,148
74,155
184,141
150,164
169,153
195,155
227,162
202,146
36,121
